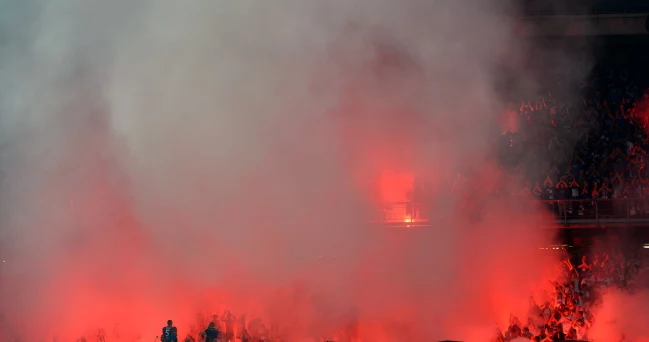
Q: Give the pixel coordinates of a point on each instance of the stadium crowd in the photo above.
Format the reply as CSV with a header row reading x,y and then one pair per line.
x,y
568,312
594,148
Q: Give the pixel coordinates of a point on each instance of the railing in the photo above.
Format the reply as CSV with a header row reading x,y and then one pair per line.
x,y
600,212
587,213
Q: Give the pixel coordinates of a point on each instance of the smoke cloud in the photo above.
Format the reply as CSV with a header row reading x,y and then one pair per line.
x,y
622,314
163,159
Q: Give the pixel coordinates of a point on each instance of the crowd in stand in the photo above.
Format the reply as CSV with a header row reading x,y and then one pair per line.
x,y
591,149
594,148
568,312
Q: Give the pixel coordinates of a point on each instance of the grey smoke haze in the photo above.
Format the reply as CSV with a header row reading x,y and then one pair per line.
x,y
158,149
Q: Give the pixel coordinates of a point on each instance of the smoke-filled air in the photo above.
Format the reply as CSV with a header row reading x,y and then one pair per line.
x,y
176,159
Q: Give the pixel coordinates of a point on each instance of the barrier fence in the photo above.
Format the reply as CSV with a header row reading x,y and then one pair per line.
x,y
587,212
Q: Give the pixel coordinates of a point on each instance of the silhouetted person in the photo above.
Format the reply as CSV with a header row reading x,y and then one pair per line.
x,y
166,331
173,335
211,334
229,319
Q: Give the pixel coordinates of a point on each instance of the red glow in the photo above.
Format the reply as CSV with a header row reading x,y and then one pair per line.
x,y
396,190
396,186
641,112
187,268
286,248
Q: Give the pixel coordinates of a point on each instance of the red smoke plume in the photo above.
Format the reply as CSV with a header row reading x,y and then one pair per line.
x,y
216,176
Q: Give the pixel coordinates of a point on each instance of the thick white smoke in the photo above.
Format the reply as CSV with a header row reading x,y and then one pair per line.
x,y
157,152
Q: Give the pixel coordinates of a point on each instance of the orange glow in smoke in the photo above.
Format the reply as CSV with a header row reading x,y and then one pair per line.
x,y
395,190
396,186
